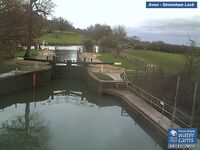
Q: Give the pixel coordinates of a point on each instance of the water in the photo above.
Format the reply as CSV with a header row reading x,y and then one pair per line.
x,y
72,47
64,55
65,115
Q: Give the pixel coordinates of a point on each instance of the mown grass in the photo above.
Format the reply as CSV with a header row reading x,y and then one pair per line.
x,y
7,68
102,76
170,63
65,38
109,57
21,53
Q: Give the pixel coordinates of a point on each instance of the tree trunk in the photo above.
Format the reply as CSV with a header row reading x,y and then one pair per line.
x,y
29,31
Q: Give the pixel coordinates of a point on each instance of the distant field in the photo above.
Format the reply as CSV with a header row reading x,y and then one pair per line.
x,y
62,38
170,63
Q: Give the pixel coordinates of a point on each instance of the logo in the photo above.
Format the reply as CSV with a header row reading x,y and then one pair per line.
x,y
173,133
182,138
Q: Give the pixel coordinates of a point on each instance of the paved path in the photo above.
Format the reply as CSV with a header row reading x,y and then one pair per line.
x,y
115,76
143,108
110,70
23,66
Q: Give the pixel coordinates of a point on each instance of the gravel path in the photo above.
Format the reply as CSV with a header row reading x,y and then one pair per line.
x,y
112,71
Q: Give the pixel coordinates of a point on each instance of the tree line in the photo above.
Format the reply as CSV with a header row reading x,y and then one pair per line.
x,y
21,22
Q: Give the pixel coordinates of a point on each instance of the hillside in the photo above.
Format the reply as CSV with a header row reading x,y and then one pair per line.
x,y
65,38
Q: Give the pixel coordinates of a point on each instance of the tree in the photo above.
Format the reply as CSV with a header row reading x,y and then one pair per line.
x,y
62,24
192,56
35,9
108,42
88,45
119,33
12,26
97,32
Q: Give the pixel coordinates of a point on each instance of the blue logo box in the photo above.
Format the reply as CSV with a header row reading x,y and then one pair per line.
x,y
182,138
172,4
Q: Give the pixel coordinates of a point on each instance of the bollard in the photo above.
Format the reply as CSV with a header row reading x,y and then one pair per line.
x,y
101,69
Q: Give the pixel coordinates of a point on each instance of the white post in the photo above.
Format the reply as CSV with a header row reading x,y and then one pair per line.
x,y
175,101
101,68
36,64
194,102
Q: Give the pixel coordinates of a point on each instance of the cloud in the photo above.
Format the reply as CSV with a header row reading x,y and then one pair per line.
x,y
178,27
169,30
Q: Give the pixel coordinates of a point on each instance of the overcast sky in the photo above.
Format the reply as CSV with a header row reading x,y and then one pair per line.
x,y
130,13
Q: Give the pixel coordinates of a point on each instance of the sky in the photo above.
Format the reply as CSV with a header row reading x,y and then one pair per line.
x,y
133,14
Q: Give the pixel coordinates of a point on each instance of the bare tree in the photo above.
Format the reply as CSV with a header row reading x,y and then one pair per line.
x,y
62,24
99,31
11,26
192,56
35,9
119,36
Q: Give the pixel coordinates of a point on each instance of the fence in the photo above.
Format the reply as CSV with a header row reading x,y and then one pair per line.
x,y
147,66
171,112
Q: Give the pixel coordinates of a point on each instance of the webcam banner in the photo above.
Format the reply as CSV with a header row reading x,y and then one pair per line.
x,y
182,138
171,4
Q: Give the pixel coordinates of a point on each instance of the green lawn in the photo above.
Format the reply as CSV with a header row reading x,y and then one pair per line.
x,y
21,53
65,38
6,68
102,76
170,63
108,57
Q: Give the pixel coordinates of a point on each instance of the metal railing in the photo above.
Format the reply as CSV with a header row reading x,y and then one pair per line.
x,y
180,118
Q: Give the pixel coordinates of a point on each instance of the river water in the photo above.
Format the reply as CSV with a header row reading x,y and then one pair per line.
x,y
66,115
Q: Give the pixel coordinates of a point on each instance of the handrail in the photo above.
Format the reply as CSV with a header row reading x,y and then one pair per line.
x,y
158,103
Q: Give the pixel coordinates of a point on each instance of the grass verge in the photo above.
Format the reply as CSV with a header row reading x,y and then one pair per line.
x,y
109,57
102,76
170,63
7,68
21,53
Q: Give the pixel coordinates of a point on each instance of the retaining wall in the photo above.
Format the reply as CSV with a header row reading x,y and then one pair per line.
x,y
24,80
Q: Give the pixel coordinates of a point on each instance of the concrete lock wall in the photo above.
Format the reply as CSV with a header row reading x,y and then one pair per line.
x,y
82,73
23,81
74,72
97,84
43,77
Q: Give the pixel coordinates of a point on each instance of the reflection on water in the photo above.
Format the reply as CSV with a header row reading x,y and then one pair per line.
x,y
24,132
65,115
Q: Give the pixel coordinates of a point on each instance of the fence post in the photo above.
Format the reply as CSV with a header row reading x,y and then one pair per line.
x,y
175,100
194,102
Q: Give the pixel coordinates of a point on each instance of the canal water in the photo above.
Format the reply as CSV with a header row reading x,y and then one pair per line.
x,y
66,115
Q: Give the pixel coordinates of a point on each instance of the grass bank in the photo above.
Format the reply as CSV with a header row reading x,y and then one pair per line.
x,y
65,38
21,53
102,76
7,68
170,63
109,57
